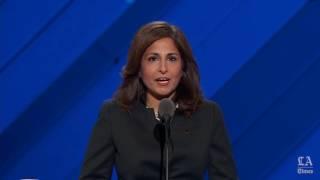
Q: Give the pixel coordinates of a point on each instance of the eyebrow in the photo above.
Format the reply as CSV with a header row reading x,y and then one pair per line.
x,y
169,54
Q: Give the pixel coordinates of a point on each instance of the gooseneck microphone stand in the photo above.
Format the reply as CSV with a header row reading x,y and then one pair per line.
x,y
167,148
166,123
166,113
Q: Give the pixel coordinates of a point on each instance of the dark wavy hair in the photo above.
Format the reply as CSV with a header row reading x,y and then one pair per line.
x,y
188,93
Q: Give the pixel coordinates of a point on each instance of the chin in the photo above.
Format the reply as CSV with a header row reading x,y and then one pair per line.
x,y
161,95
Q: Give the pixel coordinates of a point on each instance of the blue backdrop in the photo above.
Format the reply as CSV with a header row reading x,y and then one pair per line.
x,y
259,59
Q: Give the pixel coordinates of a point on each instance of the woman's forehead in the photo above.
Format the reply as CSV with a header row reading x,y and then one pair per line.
x,y
164,44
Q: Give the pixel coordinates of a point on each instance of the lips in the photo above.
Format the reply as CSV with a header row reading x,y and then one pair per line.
x,y
163,81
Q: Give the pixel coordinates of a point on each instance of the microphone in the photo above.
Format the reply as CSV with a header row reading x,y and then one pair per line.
x,y
166,112
166,109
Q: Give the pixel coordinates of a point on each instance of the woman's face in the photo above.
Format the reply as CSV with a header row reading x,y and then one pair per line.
x,y
161,68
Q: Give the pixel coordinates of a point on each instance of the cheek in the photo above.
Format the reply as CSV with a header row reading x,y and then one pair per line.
x,y
146,70
179,73
146,76
177,79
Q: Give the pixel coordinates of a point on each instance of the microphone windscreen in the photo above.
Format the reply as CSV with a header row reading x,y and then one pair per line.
x,y
166,108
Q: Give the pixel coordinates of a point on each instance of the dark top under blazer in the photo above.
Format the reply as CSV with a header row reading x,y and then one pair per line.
x,y
126,139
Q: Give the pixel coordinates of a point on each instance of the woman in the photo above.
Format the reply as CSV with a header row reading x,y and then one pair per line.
x,y
160,65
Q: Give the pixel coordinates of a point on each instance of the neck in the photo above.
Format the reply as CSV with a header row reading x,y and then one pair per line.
x,y
154,102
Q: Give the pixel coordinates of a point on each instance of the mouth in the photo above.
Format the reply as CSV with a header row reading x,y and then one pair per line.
x,y
163,81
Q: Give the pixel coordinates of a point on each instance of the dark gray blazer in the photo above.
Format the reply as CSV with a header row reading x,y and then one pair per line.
x,y
126,139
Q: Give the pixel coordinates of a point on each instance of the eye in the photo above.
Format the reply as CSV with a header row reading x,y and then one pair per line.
x,y
152,58
172,58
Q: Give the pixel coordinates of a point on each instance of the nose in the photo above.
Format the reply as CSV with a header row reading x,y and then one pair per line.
x,y
163,66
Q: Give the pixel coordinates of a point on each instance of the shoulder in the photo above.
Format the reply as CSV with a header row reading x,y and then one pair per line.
x,y
211,111
210,105
208,110
110,106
